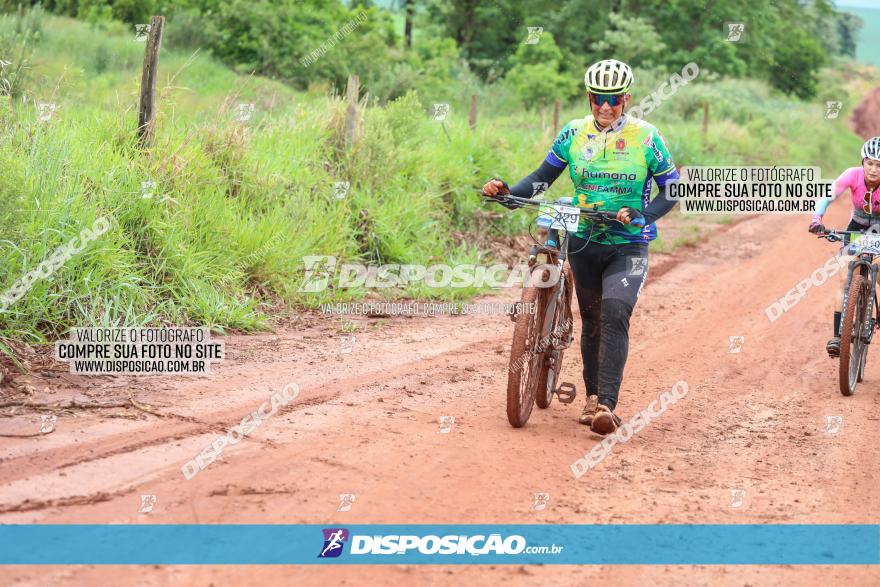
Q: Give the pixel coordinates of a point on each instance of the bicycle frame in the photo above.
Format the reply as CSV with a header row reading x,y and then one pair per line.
x,y
556,249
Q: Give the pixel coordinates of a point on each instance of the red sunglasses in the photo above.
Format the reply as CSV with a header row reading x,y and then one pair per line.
x,y
610,99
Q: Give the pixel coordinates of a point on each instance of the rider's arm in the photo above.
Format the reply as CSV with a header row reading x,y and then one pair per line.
x,y
537,181
840,185
660,205
549,170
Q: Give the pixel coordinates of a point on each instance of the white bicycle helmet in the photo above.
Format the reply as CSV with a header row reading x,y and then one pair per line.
x,y
871,149
608,76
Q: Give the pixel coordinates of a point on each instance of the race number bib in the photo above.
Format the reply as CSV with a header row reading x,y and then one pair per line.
x,y
560,217
866,241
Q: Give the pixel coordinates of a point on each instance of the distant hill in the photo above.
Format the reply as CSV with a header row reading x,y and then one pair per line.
x,y
868,50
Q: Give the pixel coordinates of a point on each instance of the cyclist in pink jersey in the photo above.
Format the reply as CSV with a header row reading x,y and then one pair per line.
x,y
863,183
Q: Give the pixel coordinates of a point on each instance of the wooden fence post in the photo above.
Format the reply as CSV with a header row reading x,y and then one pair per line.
x,y
705,118
351,115
472,118
147,108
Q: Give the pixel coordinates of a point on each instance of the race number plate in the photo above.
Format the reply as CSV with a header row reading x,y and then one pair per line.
x,y
866,241
560,217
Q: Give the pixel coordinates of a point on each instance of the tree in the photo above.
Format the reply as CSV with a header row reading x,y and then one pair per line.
x,y
409,9
535,74
301,41
486,32
795,63
631,40
848,26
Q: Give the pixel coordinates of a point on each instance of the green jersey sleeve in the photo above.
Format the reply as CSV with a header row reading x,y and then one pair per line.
x,y
558,155
658,157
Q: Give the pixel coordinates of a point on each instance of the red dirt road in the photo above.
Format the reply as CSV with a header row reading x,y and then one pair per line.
x,y
366,423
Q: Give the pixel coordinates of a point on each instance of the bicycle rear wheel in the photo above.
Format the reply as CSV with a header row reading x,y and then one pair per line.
x,y
525,370
852,340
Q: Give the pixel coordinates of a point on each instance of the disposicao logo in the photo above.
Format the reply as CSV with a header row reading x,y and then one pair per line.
x,y
334,540
404,544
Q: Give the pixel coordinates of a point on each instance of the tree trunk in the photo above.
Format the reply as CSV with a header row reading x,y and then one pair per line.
x,y
407,27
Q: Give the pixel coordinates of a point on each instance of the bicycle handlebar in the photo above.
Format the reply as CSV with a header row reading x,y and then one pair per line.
x,y
593,214
838,236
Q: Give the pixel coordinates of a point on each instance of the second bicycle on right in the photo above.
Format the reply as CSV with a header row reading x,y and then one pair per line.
x,y
861,309
854,320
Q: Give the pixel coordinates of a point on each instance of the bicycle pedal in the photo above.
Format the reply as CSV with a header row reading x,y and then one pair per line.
x,y
563,344
566,392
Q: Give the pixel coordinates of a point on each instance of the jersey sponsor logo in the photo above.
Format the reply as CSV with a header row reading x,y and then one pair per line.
x,y
621,145
564,136
607,175
657,153
649,142
615,189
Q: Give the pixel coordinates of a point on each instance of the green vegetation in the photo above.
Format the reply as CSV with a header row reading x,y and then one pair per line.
x,y
785,43
238,204
867,47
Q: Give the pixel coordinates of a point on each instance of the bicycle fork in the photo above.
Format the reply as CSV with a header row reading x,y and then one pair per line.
x,y
871,308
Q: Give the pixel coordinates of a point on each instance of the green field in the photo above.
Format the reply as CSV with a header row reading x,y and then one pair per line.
x,y
868,50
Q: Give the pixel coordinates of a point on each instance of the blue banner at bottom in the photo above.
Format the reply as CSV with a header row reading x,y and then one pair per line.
x,y
614,544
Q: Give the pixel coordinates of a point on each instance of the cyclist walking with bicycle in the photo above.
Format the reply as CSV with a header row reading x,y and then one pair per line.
x,y
612,160
862,182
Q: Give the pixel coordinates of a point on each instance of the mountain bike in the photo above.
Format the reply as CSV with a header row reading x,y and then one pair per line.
x,y
543,320
857,323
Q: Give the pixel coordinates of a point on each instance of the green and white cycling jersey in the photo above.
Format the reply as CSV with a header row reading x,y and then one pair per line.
x,y
613,168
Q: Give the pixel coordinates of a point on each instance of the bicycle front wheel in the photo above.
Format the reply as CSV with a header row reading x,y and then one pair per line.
x,y
525,371
852,340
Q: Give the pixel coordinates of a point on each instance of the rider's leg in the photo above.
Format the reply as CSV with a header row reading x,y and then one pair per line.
x,y
590,305
833,345
621,284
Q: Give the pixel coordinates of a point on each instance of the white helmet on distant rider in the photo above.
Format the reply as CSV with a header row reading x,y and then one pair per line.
x,y
871,149
608,76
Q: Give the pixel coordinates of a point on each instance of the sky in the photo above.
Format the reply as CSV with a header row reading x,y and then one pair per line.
x,y
858,3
